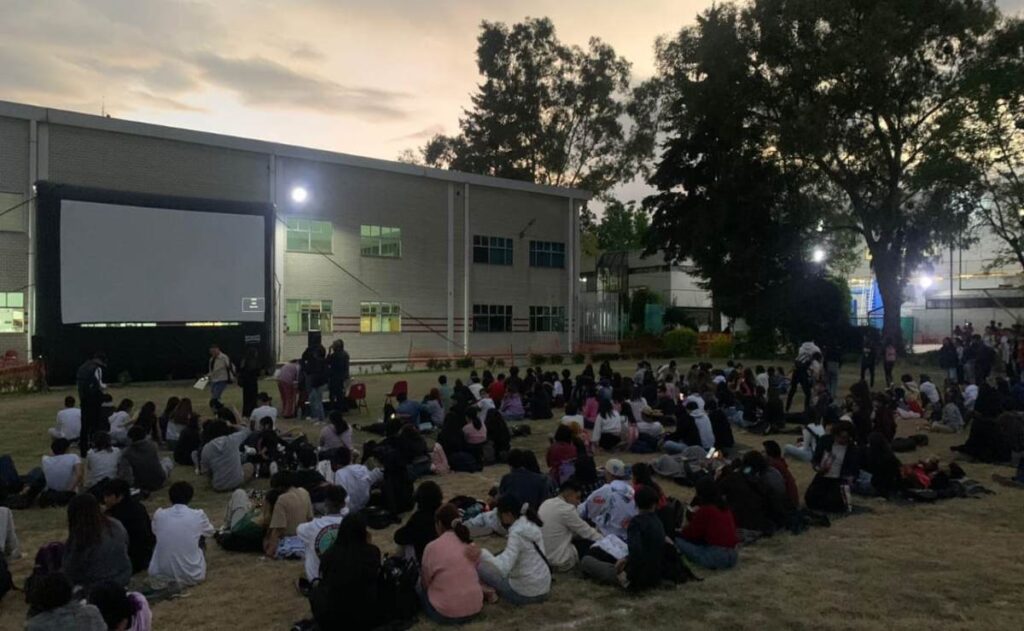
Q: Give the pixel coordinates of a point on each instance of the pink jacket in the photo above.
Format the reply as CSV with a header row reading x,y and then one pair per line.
x,y
449,575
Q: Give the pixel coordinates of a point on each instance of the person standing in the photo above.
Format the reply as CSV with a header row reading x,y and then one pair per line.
x,y
337,375
868,360
314,371
220,372
249,379
889,361
833,363
89,379
288,386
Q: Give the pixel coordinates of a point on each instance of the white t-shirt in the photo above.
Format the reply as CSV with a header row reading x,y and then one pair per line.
x,y
317,536
177,555
606,425
100,465
357,481
569,419
655,429
263,412
485,405
119,425
838,456
59,471
475,388
69,423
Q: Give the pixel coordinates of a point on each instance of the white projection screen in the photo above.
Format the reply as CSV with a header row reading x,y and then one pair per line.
x,y
140,264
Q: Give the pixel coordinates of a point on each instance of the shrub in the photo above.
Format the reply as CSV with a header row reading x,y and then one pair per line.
x,y
720,347
578,358
556,359
681,342
124,378
491,362
537,359
606,357
386,366
464,362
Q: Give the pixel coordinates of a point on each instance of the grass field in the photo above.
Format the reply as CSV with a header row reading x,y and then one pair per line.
x,y
950,565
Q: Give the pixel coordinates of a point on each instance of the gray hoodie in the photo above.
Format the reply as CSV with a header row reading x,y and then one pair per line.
x,y
74,615
222,461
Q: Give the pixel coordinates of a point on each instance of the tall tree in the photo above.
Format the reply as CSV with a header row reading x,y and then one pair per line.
x,y
622,227
995,141
862,99
546,112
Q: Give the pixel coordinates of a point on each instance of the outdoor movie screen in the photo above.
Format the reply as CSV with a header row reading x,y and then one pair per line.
x,y
140,264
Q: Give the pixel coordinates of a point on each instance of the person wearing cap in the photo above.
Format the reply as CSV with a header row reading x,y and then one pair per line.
x,y
262,411
611,507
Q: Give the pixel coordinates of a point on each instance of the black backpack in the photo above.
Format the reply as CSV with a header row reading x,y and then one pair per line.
x,y
397,589
674,568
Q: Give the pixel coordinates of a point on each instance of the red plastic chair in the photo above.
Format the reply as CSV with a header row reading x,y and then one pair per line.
x,y
357,393
400,387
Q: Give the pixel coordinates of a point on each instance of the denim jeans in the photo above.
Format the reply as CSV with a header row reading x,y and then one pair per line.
x,y
803,454
490,576
316,402
672,447
709,557
217,389
433,614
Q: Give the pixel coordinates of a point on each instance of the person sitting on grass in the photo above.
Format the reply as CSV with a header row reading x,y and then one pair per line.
x,y
773,453
607,432
419,530
62,472
837,464
336,433
612,506
141,464
97,546
572,415
262,411
566,536
449,586
349,574
512,408
292,507
69,421
101,461
952,420
357,480
520,573
121,610
220,458
522,482
120,505
561,455
642,567
52,608
179,530
498,435
318,534
475,432
709,536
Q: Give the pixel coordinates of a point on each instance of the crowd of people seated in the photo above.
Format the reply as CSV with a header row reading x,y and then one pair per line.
x,y
613,523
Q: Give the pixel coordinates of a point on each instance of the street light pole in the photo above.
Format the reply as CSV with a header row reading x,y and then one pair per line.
x,y
952,324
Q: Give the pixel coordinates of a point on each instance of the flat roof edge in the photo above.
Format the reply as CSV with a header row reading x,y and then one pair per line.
x,y
89,121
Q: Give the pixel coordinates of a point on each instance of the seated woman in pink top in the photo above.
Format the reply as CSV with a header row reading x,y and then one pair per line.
x,y
474,431
450,589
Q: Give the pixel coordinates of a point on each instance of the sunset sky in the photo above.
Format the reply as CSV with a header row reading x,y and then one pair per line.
x,y
363,77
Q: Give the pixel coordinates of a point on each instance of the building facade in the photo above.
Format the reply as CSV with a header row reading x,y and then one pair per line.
x,y
400,261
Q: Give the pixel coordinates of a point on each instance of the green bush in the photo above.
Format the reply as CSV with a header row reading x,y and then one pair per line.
x,y
556,359
464,362
681,342
538,359
578,358
491,362
500,363
606,357
386,367
720,348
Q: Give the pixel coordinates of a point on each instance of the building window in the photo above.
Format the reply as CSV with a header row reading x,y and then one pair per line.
x,y
12,312
308,235
308,315
547,254
380,317
492,250
380,241
547,319
13,212
492,318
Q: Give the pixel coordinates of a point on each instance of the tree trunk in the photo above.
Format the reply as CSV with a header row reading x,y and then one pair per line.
x,y
887,273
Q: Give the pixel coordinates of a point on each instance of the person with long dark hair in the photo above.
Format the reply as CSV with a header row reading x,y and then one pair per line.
x,y
419,530
52,608
520,573
607,431
349,572
449,589
97,546
178,420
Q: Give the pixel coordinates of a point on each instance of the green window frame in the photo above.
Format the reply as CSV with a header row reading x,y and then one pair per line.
x,y
492,318
303,315
380,317
308,235
547,254
547,319
492,250
380,241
